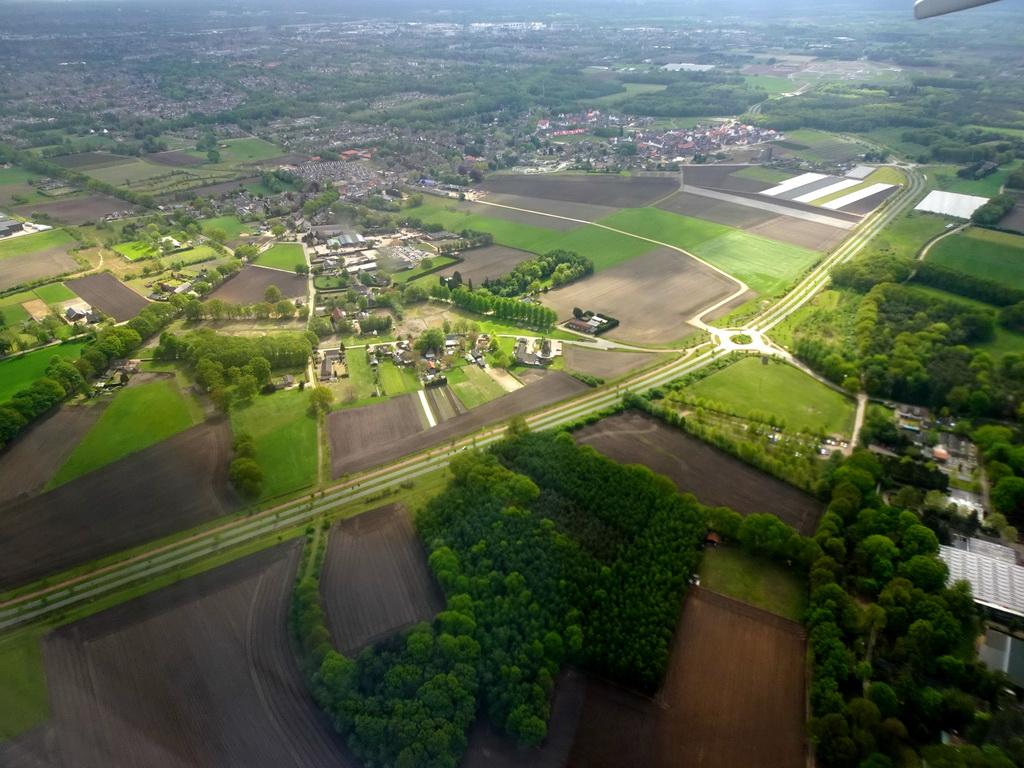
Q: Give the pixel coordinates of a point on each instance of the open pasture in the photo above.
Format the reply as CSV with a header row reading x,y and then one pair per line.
x,y
735,689
16,373
26,244
119,506
380,445
759,581
249,285
767,266
493,261
779,389
128,174
671,228
596,189
653,296
17,175
282,256
200,673
78,210
109,295
608,364
33,266
375,579
715,478
141,415
984,253
230,224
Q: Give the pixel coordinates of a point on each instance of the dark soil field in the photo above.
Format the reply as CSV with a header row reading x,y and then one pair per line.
x,y
168,487
444,403
89,160
721,177
34,457
173,159
616,729
868,204
1014,220
595,189
571,210
375,579
734,694
604,363
77,211
653,296
290,159
224,186
718,211
715,478
806,234
353,431
109,295
249,285
839,216
32,266
199,675
551,387
493,261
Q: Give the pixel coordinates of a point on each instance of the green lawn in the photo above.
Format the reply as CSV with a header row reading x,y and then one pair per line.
x,y
136,250
944,177
248,150
773,85
285,437
437,261
359,374
779,389
14,314
985,253
55,293
473,386
23,702
282,256
905,236
759,173
767,266
604,248
31,243
757,581
229,224
397,380
663,226
138,417
17,175
16,373
806,136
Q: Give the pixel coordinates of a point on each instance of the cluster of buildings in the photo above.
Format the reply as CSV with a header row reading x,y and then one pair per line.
x,y
683,144
536,352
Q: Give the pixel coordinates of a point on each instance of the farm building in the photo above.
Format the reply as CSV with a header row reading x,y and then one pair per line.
x,y
9,226
992,571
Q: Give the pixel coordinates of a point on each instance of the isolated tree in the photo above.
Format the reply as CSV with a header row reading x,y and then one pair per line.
x,y
320,399
300,269
272,294
213,156
285,308
432,338
247,477
277,230
216,234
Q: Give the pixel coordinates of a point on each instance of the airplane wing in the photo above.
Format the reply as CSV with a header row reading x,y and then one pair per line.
x,y
924,9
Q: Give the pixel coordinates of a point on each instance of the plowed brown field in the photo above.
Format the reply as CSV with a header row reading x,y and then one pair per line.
x,y
604,363
109,295
594,189
32,266
249,285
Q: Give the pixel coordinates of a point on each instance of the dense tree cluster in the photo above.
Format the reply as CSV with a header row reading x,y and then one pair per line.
x,y
691,94
526,276
504,309
991,212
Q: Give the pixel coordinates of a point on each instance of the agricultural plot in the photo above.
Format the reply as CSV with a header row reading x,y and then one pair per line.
x,y
473,387
285,256
830,151
606,249
653,296
142,414
33,266
55,293
129,174
76,211
285,437
767,266
802,234
109,295
758,581
230,224
372,436
88,161
395,380
493,262
119,506
709,209
375,579
557,208
727,178
779,389
26,244
595,189
444,404
173,159
673,229
249,285
715,478
17,175
16,373
984,253
249,150
200,673
761,173
722,715
607,364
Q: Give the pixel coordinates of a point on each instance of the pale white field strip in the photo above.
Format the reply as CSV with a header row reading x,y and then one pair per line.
x,y
853,197
426,409
951,204
817,194
796,181
770,207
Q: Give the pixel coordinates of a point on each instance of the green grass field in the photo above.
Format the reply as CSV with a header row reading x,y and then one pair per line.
x,y
604,248
985,253
632,89
55,293
282,256
16,373
408,274
23,702
672,228
473,386
766,266
773,85
285,437
359,374
759,173
14,314
138,418
135,250
905,236
229,224
31,243
396,380
944,177
779,389
246,151
127,174
757,581
17,175
807,136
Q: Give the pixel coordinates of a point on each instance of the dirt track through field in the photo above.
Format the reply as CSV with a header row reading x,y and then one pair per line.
x,y
168,487
653,296
715,478
109,295
375,579
32,266
200,674
550,388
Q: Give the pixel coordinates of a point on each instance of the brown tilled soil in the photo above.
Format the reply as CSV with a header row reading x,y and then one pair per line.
x,y
594,189
721,177
806,234
570,210
735,689
375,579
355,430
168,487
715,478
32,266
653,296
551,387
109,295
718,211
34,457
478,264
604,363
77,211
249,285
200,675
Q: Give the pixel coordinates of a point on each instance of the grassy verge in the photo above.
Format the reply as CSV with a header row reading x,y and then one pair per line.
x,y
758,581
23,701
